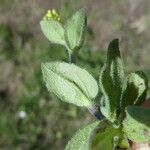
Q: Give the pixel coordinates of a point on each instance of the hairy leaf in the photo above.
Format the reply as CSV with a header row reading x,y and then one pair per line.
x,y
135,89
111,78
82,139
53,30
137,124
107,138
75,30
70,83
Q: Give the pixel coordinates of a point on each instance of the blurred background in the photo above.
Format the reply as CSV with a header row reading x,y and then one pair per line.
x,y
30,117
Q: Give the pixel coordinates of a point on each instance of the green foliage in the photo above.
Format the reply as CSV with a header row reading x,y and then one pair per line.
x,y
75,85
137,124
108,137
53,30
23,48
70,83
111,78
75,30
134,90
71,36
82,139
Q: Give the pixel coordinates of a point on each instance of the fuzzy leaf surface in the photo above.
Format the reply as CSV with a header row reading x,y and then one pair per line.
x,y
137,124
70,83
53,30
75,30
107,137
81,140
111,78
134,90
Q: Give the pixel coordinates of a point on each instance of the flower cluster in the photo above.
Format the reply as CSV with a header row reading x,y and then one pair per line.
x,y
52,14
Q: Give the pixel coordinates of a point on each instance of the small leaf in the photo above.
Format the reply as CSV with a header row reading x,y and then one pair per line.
x,y
137,124
111,78
53,30
81,140
135,89
70,83
75,30
107,138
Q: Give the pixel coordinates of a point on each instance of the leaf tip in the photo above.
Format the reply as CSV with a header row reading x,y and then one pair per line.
x,y
83,10
42,65
114,44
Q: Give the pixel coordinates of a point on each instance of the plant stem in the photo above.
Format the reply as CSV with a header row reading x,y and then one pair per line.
x,y
69,57
95,112
69,54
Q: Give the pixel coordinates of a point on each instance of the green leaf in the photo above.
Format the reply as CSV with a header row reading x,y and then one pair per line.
x,y
53,30
75,30
111,78
81,140
135,89
137,124
70,83
107,138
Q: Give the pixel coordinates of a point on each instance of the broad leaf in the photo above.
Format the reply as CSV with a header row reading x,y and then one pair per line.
x,y
53,30
135,89
107,138
137,124
75,30
82,139
111,78
70,83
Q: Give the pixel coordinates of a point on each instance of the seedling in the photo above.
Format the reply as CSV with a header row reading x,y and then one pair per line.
x,y
125,120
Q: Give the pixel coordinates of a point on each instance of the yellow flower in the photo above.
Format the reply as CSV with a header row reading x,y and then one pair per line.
x,y
52,14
